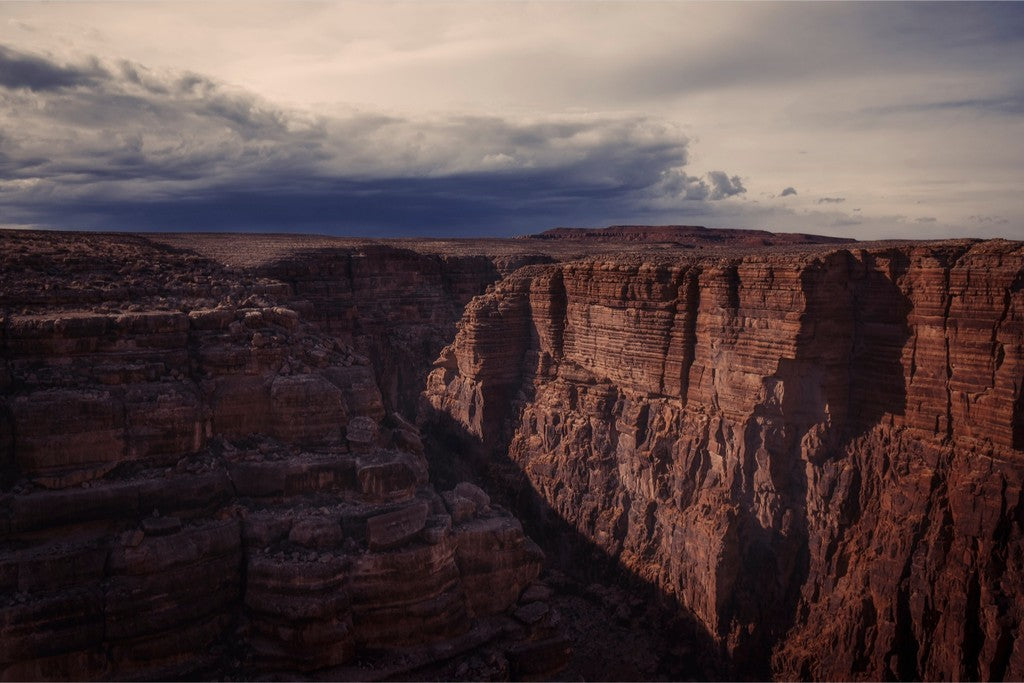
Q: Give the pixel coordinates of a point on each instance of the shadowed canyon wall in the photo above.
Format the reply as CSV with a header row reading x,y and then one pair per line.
x,y
199,481
819,455
209,467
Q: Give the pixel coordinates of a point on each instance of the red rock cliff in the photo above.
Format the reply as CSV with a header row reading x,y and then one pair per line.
x,y
818,455
198,480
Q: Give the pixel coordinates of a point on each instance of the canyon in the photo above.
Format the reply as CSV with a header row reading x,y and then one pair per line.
x,y
274,456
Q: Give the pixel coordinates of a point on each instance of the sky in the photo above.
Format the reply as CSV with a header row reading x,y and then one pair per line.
x,y
473,118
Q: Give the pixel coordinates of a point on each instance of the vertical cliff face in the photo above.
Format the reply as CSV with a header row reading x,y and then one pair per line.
x,y
818,455
398,307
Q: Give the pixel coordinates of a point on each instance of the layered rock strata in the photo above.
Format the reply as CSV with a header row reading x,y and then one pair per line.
x,y
817,454
814,453
398,307
200,482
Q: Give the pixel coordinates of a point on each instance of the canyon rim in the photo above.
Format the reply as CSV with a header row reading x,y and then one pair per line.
x,y
317,361
637,453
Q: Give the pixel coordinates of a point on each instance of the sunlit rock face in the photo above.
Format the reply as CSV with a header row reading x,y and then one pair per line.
x,y
819,455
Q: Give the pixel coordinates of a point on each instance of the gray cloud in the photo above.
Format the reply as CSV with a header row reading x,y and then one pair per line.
x,y
787,192
831,200
130,149
718,185
987,219
723,186
845,39
22,70
1011,104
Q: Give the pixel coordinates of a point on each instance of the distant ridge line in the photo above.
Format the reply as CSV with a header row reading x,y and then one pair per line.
x,y
685,235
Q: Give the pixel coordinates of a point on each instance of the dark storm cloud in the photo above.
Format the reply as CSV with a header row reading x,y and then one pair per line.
x,y
21,70
459,205
787,192
130,149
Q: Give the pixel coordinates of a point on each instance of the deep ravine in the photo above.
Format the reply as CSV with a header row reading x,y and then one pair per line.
x,y
791,461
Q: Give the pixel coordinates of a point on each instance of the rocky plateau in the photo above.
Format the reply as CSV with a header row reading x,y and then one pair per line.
x,y
645,452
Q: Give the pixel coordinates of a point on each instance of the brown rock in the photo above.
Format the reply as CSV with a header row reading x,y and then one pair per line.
x,y
307,409
161,526
60,430
473,493
387,476
461,509
496,561
539,658
536,592
532,612
394,528
316,532
815,450
361,433
781,450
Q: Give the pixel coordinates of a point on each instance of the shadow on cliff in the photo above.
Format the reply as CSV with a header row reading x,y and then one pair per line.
x,y
846,377
396,306
691,653
853,333
880,321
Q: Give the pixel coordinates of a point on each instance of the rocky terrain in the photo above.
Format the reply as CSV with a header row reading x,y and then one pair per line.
x,y
200,481
818,455
742,455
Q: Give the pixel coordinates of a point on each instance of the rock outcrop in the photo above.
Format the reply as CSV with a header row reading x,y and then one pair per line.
x,y
817,454
811,453
198,481
398,307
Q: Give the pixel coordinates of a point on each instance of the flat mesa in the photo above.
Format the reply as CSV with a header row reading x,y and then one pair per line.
x,y
635,452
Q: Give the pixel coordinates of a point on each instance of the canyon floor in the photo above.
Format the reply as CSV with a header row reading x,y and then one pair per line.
x,y
639,453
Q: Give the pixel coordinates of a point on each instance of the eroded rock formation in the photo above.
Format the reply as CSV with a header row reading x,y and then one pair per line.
x,y
199,481
812,453
819,455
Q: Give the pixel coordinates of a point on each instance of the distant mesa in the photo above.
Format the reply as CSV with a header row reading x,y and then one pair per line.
x,y
685,235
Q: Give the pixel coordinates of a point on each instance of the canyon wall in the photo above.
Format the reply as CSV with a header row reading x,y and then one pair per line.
x,y
819,455
398,307
208,467
200,480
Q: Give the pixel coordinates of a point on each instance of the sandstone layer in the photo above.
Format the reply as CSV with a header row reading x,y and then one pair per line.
x,y
819,455
200,479
810,453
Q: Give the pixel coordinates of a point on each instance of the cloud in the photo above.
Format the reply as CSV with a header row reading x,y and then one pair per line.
x,y
987,219
787,191
21,70
131,148
1010,104
723,186
831,200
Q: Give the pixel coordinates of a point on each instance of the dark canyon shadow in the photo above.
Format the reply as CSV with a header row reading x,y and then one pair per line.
x,y
691,652
396,306
847,365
